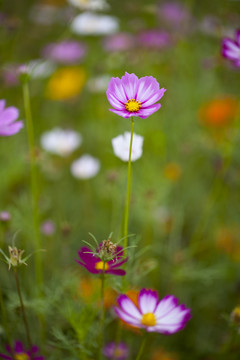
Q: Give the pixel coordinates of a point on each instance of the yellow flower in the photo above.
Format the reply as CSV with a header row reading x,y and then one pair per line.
x,y
172,171
66,83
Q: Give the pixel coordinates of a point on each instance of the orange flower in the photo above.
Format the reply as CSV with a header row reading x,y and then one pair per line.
x,y
161,354
228,240
219,112
172,171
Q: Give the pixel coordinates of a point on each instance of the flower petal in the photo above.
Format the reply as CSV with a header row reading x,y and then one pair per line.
x,y
144,113
128,307
130,85
154,98
8,115
124,113
167,304
87,256
115,88
118,272
11,129
2,105
113,263
147,300
147,87
127,318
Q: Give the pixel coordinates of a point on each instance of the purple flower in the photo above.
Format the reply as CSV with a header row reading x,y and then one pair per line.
x,y
48,228
5,216
231,49
174,13
118,42
94,263
116,351
8,125
164,316
65,52
18,353
154,39
131,96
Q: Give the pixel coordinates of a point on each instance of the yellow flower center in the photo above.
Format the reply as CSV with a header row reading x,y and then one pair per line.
x,y
99,266
118,352
21,356
132,105
148,319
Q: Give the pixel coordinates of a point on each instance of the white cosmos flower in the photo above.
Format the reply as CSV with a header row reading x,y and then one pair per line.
x,y
89,23
90,4
60,142
98,83
85,167
121,145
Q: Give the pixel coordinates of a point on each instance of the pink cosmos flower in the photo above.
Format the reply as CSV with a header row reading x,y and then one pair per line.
x,y
18,352
65,52
164,316
94,263
231,49
131,96
8,125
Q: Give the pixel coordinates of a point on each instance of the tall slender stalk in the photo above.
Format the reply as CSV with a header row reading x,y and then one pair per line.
x,y
129,181
23,310
102,316
141,347
34,181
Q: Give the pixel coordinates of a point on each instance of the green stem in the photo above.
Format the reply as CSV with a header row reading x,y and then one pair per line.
x,y
129,180
102,317
141,348
34,181
23,310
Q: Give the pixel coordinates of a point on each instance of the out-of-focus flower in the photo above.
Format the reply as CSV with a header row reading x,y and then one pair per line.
x,y
19,353
61,142
235,315
85,167
48,228
121,145
65,52
227,240
174,13
48,14
93,24
231,49
95,262
172,171
116,351
5,216
118,42
8,116
131,96
90,4
98,83
66,83
161,354
154,39
219,112
89,289
164,316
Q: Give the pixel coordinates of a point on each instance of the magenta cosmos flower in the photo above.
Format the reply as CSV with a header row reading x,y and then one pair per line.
x,y
94,263
116,351
8,116
131,96
164,316
231,49
18,353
